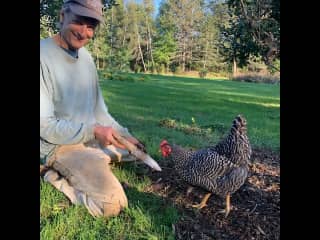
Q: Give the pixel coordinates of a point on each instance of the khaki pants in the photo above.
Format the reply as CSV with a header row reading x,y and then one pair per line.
x,y
83,174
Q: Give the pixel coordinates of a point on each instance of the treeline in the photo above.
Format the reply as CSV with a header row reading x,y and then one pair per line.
x,y
186,35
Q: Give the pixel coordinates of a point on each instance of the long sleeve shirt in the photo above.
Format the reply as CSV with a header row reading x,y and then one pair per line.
x,y
71,101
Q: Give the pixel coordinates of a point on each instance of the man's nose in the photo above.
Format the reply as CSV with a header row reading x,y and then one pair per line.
x,y
84,30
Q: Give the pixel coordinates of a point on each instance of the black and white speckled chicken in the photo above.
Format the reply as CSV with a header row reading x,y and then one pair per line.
x,y
221,169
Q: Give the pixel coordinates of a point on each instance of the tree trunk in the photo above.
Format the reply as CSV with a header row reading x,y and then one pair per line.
x,y
149,41
205,54
234,67
140,51
184,56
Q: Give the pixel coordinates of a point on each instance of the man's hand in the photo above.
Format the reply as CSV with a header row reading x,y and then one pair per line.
x,y
138,143
105,136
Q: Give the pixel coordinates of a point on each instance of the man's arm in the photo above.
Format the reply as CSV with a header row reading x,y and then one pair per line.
x,y
104,118
53,129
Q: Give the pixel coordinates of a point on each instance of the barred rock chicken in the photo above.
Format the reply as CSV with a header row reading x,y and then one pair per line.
x,y
220,169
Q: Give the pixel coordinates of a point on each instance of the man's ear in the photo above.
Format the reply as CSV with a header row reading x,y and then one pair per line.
x,y
61,17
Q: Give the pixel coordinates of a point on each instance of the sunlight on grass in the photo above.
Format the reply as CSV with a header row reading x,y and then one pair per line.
x,y
255,96
145,104
264,104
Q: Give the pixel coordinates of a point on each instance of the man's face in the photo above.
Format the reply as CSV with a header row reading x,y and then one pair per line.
x,y
77,30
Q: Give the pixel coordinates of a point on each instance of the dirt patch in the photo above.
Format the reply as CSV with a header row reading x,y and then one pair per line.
x,y
255,212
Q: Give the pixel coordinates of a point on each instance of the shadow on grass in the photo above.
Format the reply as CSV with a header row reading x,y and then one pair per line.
x,y
148,216
153,205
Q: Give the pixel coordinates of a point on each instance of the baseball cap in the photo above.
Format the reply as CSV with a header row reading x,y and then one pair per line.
x,y
86,8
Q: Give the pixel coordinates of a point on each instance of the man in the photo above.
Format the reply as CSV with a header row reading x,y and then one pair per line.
x,y
76,131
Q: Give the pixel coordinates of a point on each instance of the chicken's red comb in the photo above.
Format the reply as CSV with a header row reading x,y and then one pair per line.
x,y
163,142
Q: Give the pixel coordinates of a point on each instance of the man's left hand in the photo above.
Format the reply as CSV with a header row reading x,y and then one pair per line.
x,y
138,144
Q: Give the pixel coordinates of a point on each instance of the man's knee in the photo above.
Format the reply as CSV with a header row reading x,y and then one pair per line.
x,y
111,206
89,174
116,202
113,209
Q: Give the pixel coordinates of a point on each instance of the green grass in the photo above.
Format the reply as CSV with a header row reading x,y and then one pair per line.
x,y
141,220
200,112
141,106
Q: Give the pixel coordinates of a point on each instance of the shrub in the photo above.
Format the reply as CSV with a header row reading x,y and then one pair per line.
x,y
161,69
203,73
122,76
177,70
261,77
192,129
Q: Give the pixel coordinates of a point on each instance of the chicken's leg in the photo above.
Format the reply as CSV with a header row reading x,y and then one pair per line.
x,y
203,202
227,209
227,204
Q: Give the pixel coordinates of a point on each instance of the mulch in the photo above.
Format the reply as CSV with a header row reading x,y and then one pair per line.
x,y
255,212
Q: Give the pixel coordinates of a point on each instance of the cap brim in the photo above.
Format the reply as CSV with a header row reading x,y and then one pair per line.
x,y
82,11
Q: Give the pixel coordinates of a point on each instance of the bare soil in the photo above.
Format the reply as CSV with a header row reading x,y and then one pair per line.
x,y
255,212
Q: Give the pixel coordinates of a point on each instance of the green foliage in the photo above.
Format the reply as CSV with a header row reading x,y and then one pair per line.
x,y
203,73
184,36
192,128
110,3
256,71
164,49
122,76
253,29
176,69
276,66
120,60
257,78
49,16
50,9
46,29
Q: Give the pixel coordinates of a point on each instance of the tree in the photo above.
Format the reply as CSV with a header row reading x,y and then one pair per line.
x,y
208,47
49,13
258,21
164,50
135,33
184,16
165,44
118,53
149,23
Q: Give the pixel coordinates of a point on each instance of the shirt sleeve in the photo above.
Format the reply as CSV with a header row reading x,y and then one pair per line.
x,y
55,130
104,118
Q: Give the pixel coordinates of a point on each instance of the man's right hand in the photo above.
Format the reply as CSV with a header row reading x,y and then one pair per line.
x,y
105,136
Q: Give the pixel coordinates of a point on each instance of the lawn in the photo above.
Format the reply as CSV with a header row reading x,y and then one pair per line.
x,y
190,112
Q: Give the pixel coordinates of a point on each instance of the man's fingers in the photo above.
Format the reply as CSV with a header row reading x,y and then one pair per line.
x,y
142,147
117,144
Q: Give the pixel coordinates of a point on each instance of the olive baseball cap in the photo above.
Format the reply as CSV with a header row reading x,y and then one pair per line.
x,y
86,8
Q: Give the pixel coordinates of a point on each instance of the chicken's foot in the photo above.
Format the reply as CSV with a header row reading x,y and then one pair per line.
x,y
203,202
226,211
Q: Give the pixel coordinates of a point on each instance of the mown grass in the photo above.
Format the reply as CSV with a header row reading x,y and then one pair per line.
x,y
141,106
199,113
